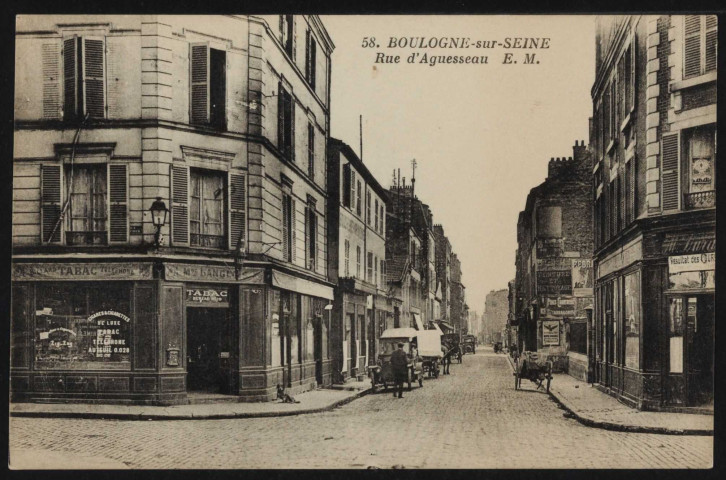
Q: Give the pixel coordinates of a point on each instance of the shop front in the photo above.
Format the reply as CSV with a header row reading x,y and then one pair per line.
x,y
654,321
158,333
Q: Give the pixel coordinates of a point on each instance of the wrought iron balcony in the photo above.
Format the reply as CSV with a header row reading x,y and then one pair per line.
x,y
695,200
86,238
207,241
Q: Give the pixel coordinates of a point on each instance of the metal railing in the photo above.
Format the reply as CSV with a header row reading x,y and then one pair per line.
x,y
695,200
207,241
87,238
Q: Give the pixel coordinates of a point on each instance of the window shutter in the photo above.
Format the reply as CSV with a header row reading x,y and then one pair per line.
x,y
50,203
313,60
670,176
711,42
292,127
180,205
51,80
692,50
294,39
237,211
199,91
307,55
308,236
318,255
293,229
346,185
285,227
352,189
633,83
70,78
280,118
118,203
93,78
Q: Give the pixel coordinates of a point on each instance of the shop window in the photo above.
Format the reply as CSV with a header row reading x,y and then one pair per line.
x,y
86,220
82,328
83,78
309,337
276,335
632,321
208,86
361,335
293,326
675,334
578,337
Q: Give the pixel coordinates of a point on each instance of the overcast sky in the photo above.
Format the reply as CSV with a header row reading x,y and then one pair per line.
x,y
481,134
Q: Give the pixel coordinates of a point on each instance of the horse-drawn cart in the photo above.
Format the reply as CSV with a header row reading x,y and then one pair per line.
x,y
531,367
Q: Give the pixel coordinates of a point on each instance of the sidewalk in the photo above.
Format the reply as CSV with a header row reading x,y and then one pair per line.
x,y
310,402
594,408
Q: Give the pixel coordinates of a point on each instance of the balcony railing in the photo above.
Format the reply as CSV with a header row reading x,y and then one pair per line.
x,y
87,238
207,241
695,200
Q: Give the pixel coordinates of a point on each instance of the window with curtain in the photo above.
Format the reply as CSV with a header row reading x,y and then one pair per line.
x,y
632,320
207,209
87,211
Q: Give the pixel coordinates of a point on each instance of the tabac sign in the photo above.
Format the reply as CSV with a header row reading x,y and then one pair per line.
x,y
81,271
207,296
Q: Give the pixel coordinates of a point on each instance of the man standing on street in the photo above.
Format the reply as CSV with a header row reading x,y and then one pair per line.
x,y
399,363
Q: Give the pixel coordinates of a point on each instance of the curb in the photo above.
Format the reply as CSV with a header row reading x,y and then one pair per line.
x,y
617,427
189,416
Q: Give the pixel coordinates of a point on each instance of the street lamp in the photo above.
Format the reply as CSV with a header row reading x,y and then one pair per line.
x,y
159,213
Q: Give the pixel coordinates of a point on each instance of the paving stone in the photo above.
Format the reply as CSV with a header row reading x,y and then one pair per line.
x,y
472,418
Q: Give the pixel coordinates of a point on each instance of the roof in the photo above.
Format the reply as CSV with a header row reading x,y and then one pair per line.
x,y
358,164
399,333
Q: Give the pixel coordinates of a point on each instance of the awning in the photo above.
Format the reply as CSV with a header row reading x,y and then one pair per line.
x,y
417,320
300,285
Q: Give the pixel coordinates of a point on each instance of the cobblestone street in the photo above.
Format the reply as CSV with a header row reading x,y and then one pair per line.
x,y
472,418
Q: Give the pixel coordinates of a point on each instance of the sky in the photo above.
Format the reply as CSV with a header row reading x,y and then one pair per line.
x,y
482,135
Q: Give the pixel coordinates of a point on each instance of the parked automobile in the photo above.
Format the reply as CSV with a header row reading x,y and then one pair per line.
x,y
469,344
381,374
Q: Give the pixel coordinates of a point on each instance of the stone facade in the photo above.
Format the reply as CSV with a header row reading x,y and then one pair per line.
x,y
215,118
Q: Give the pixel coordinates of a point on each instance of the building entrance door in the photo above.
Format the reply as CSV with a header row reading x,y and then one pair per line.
x,y
699,346
209,350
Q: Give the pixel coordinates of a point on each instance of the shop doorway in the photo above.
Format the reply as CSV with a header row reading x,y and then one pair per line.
x,y
210,350
691,344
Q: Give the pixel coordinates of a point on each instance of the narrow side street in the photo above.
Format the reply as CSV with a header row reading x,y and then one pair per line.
x,y
472,418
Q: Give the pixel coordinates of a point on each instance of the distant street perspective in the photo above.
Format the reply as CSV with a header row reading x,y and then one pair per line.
x,y
472,418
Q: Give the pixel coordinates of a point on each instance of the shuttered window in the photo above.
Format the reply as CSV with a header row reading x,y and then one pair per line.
x,y
700,44
346,255
311,244
311,48
237,211
50,203
311,151
199,91
670,172
347,174
206,209
288,228
285,123
358,198
287,34
375,223
84,87
118,203
180,205
357,262
368,207
51,80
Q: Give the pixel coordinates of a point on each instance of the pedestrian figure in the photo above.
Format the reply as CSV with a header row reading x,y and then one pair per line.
x,y
399,364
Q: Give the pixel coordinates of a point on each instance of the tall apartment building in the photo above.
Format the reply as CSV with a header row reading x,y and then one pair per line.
x,y
221,123
553,282
357,261
654,158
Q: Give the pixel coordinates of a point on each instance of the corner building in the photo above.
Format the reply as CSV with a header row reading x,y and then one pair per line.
x,y
225,119
653,138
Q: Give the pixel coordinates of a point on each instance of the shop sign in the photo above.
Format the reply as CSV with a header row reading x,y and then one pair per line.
x,y
550,332
206,273
581,277
692,263
207,296
685,243
554,282
81,271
